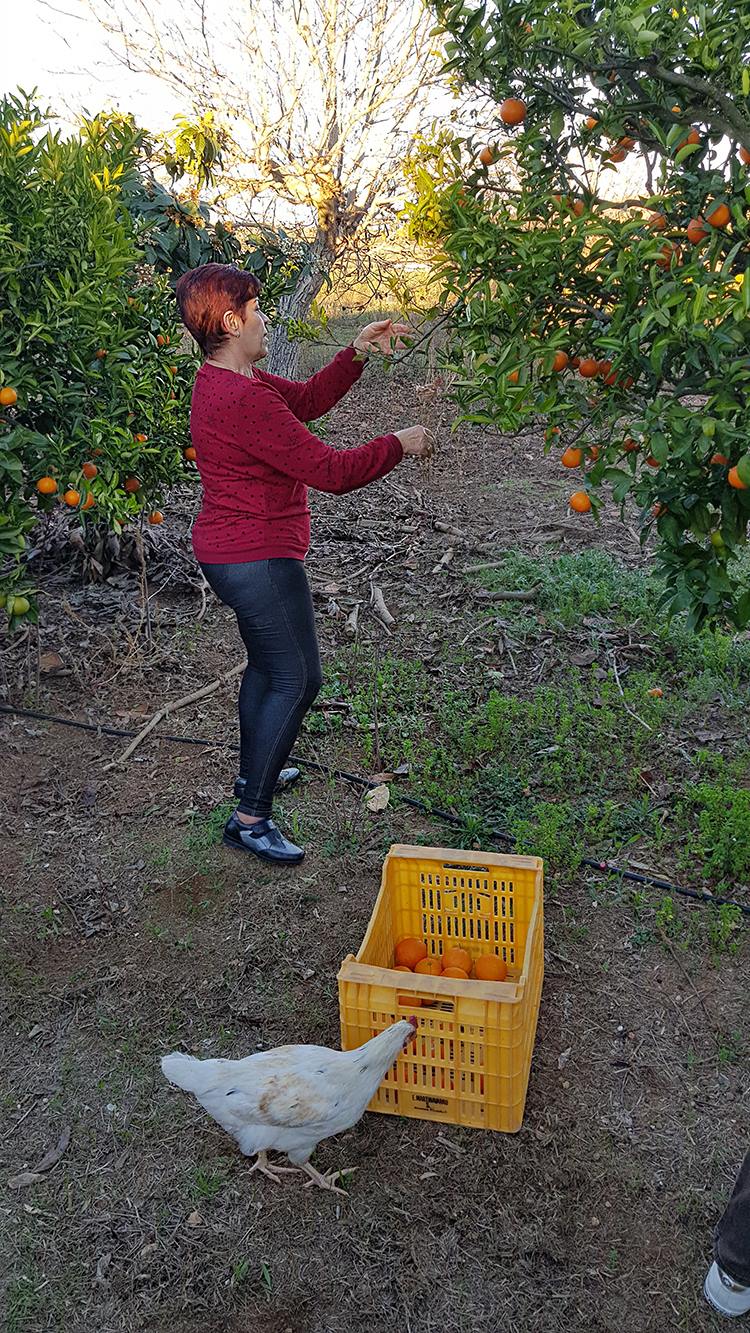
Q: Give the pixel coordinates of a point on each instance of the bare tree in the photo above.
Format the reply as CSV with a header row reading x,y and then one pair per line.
x,y
319,98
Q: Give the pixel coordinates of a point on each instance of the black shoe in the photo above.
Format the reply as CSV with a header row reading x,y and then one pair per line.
x,y
287,779
262,839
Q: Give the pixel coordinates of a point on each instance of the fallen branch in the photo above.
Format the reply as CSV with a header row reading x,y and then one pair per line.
x,y
186,699
506,595
379,606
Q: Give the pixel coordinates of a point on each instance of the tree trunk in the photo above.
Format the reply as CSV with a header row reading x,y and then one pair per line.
x,y
283,356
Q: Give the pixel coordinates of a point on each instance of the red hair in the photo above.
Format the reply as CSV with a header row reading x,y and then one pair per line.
x,y
204,295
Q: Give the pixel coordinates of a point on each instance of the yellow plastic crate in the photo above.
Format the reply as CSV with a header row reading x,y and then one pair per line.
x,y
471,1059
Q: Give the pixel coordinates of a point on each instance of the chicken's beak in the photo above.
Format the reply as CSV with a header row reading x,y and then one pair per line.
x,y
413,1034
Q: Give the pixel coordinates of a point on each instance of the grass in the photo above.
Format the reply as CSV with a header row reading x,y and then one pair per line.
x,y
576,764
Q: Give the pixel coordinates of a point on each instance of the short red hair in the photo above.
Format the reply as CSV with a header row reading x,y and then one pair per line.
x,y
204,295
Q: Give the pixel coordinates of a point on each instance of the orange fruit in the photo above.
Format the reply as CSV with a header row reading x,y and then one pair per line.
x,y
653,462
459,973
588,368
101,354
657,222
591,122
490,968
676,110
617,155
8,397
693,137
46,485
487,156
658,509
580,502
668,253
429,967
575,362
631,446
577,206
552,434
604,368
172,370
410,951
735,480
191,454
697,231
72,498
513,377
560,361
593,452
132,485
656,693
719,460
89,471
745,156
719,216
512,111
457,957
89,502
157,517
160,340
401,967
572,457
140,439
627,145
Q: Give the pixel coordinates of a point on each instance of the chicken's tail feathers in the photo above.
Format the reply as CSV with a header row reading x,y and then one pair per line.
x,y
185,1071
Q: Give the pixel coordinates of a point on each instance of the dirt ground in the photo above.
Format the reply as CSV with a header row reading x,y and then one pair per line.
x,y
129,931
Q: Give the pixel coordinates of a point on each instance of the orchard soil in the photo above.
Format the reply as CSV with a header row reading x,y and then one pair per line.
x,y
129,931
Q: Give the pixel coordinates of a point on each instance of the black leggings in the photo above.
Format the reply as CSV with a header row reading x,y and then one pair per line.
x,y
274,609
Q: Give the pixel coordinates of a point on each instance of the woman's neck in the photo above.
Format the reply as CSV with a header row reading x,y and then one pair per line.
x,y
229,358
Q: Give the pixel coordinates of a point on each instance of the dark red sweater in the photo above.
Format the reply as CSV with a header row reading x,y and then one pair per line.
x,y
256,459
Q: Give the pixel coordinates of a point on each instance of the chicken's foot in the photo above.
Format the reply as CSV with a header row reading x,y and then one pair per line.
x,y
272,1169
327,1181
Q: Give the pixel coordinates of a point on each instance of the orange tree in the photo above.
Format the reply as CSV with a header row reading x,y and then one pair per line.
x,y
620,316
94,379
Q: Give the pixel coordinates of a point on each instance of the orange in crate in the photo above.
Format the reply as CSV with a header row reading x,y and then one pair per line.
x,y
471,1059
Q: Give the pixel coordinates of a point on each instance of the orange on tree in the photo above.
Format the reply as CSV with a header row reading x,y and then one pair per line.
x,y
653,462
745,156
157,517
8,396
604,368
190,454
131,485
46,485
591,122
88,503
697,231
667,254
735,480
719,216
588,368
572,457
593,452
90,470
580,502
172,370
631,446
513,377
560,361
140,438
102,352
692,137
512,111
487,156
160,340
72,498
657,221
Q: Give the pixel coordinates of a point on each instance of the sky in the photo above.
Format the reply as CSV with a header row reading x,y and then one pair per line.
x,y
62,52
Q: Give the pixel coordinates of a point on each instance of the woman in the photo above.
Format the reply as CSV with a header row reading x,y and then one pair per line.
x,y
256,459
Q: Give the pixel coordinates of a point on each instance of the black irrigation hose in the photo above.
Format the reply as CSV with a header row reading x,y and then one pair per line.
x,y
498,835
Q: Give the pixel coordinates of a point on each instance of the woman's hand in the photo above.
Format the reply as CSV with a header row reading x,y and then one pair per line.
x,y
382,336
416,441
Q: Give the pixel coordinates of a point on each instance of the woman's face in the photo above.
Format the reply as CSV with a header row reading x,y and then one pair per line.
x,y
251,326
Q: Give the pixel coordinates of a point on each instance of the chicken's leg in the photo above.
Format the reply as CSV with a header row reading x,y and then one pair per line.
x,y
327,1181
271,1169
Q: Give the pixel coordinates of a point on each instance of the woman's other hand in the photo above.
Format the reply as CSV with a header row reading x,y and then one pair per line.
x,y
383,336
416,441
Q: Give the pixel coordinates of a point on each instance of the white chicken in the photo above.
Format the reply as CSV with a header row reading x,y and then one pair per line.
x,y
291,1098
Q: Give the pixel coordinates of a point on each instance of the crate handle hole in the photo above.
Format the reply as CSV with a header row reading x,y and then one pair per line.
x,y
448,865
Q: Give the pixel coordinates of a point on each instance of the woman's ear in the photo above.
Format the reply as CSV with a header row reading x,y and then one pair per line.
x,y
231,324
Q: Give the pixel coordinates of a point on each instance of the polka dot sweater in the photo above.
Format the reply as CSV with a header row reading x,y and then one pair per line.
x,y
256,459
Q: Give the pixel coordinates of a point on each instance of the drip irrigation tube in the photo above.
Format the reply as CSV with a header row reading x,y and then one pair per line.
x,y
498,835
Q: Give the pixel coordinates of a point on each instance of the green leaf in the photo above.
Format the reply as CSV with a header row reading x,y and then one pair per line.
x,y
743,469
